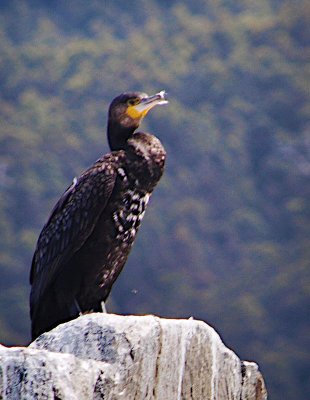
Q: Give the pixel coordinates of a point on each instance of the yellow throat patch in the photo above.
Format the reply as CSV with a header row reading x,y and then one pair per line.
x,y
134,113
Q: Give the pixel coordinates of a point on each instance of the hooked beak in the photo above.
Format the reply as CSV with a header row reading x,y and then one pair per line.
x,y
150,102
146,104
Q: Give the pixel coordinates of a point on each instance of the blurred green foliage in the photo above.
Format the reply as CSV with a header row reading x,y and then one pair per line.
x,y
227,235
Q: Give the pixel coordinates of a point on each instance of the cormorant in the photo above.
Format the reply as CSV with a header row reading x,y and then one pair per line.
x,y
88,236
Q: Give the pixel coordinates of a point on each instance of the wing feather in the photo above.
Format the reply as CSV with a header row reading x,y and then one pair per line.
x,y
70,223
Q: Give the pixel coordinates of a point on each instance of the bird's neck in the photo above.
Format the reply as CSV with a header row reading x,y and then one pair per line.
x,y
118,135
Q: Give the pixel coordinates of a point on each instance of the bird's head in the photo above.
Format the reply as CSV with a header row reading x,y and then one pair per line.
x,y
126,113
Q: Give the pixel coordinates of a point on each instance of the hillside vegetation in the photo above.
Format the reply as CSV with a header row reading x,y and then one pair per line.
x,y
226,237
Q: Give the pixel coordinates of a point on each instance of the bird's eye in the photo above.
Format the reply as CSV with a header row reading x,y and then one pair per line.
x,y
133,102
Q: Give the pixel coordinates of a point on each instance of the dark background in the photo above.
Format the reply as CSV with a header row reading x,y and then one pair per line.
x,y
226,235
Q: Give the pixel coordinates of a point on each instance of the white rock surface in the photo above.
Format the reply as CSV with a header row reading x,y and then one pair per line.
x,y
111,357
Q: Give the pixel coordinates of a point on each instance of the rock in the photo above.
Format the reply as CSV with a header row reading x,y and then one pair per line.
x,y
106,356
38,374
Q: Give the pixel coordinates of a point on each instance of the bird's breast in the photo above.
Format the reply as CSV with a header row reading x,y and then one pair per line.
x,y
128,216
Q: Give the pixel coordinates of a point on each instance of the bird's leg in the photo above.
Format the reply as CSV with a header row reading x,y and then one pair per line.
x,y
104,310
77,306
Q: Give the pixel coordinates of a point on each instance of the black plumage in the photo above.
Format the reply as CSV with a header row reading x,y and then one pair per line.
x,y
86,241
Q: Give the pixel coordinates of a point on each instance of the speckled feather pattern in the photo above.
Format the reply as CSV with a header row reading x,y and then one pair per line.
x,y
89,234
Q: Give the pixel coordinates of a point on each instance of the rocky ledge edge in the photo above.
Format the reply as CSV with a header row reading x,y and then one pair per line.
x,y
107,356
